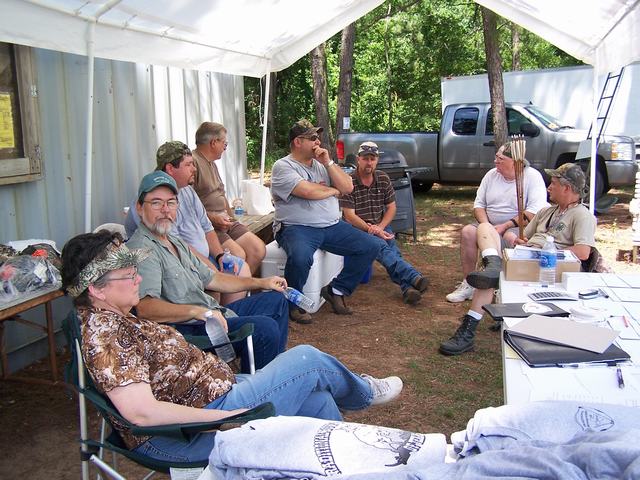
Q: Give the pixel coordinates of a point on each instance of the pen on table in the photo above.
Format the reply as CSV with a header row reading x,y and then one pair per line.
x,y
620,378
626,321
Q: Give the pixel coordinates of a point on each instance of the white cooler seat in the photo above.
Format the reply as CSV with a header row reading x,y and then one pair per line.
x,y
326,266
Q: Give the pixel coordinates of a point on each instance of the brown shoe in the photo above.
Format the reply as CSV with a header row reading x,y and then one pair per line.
x,y
336,301
411,296
300,316
421,284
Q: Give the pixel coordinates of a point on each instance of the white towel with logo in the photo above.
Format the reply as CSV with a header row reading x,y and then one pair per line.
x,y
301,447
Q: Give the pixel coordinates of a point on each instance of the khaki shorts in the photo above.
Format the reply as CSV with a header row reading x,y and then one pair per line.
x,y
235,232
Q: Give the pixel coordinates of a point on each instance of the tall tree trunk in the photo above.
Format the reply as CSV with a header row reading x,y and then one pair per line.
x,y
388,69
343,106
271,124
319,73
515,47
494,72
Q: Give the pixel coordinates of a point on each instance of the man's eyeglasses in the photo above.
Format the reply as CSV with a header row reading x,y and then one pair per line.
x,y
368,149
131,276
171,204
223,141
313,137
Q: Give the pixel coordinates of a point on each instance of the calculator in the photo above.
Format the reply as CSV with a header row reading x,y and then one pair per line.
x,y
552,295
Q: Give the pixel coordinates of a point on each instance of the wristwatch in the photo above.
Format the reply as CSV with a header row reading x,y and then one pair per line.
x,y
331,162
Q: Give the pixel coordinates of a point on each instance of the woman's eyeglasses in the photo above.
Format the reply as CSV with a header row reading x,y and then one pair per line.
x,y
171,204
131,276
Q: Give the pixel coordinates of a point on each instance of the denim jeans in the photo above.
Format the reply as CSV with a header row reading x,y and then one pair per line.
x,y
269,314
301,242
400,271
302,381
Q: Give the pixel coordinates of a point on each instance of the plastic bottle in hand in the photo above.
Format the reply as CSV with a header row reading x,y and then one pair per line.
x,y
298,298
548,260
219,338
227,261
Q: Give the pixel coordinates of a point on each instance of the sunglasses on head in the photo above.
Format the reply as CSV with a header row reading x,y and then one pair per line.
x,y
368,149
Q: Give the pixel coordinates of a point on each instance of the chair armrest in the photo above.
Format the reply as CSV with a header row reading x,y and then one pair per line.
x,y
187,430
203,342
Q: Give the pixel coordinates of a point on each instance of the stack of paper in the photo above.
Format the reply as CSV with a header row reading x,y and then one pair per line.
x,y
565,332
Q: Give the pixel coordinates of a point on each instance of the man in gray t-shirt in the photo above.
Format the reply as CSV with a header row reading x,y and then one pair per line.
x,y
305,186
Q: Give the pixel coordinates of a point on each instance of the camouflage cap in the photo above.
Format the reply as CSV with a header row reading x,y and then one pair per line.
x,y
303,128
369,148
572,173
170,151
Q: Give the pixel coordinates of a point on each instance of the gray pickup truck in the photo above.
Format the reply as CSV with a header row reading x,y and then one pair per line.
x,y
463,151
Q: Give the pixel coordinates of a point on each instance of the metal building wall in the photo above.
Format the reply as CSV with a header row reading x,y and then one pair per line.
x,y
136,108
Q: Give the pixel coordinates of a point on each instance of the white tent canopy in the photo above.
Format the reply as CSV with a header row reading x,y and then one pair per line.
x,y
240,37
602,33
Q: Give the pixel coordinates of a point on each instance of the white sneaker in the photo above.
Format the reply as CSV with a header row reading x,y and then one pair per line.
x,y
463,292
383,389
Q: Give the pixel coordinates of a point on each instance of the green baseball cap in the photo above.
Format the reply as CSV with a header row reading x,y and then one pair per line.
x,y
572,173
170,151
156,179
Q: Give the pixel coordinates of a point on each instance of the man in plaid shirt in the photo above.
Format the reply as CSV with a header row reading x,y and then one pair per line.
x,y
371,207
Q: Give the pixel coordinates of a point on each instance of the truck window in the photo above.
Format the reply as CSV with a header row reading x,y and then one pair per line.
x,y
514,120
465,121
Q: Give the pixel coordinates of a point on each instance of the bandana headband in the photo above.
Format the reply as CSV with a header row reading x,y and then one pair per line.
x,y
113,258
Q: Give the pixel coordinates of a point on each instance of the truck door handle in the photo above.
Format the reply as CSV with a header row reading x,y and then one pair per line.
x,y
490,143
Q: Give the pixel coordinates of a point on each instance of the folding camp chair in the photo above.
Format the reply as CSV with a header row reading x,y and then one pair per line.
x,y
91,451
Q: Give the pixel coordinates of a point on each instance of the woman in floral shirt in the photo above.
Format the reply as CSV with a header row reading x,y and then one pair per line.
x,y
154,376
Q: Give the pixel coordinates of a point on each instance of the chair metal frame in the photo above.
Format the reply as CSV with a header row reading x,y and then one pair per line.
x,y
92,451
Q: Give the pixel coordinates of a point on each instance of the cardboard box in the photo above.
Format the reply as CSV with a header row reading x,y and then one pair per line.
x,y
529,270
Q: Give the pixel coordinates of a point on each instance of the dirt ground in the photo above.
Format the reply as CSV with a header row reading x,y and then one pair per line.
x,y
38,424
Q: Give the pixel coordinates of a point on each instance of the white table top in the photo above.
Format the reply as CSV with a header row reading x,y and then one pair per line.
x,y
590,384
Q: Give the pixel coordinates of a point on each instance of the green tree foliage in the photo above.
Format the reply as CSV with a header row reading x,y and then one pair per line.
x,y
402,50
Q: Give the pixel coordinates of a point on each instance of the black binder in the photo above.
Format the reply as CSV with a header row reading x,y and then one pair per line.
x,y
543,354
500,310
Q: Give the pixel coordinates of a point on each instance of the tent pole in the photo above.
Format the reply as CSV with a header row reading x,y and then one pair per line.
x,y
594,139
91,26
263,153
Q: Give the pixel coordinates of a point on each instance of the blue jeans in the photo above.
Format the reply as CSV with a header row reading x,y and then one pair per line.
x,y
399,270
301,242
302,381
269,314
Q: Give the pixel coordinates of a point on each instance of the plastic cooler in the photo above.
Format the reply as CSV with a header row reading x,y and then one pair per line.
x,y
326,266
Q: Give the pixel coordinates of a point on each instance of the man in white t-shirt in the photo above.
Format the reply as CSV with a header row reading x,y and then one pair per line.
x,y
496,203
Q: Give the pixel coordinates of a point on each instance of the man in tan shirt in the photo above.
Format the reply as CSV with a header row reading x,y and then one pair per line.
x,y
211,142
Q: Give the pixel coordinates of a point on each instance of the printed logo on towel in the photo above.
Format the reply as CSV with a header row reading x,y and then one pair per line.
x,y
337,445
593,419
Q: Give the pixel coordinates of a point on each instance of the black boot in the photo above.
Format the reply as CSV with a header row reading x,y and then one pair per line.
x,y
462,340
489,277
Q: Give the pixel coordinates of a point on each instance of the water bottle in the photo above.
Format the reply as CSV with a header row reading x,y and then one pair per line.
x,y
238,211
227,261
217,336
548,260
298,298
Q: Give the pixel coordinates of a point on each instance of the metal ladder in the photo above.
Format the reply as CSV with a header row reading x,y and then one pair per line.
x,y
609,90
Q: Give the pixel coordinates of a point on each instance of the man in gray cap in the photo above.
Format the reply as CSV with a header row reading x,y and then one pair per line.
x,y
569,223
305,186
